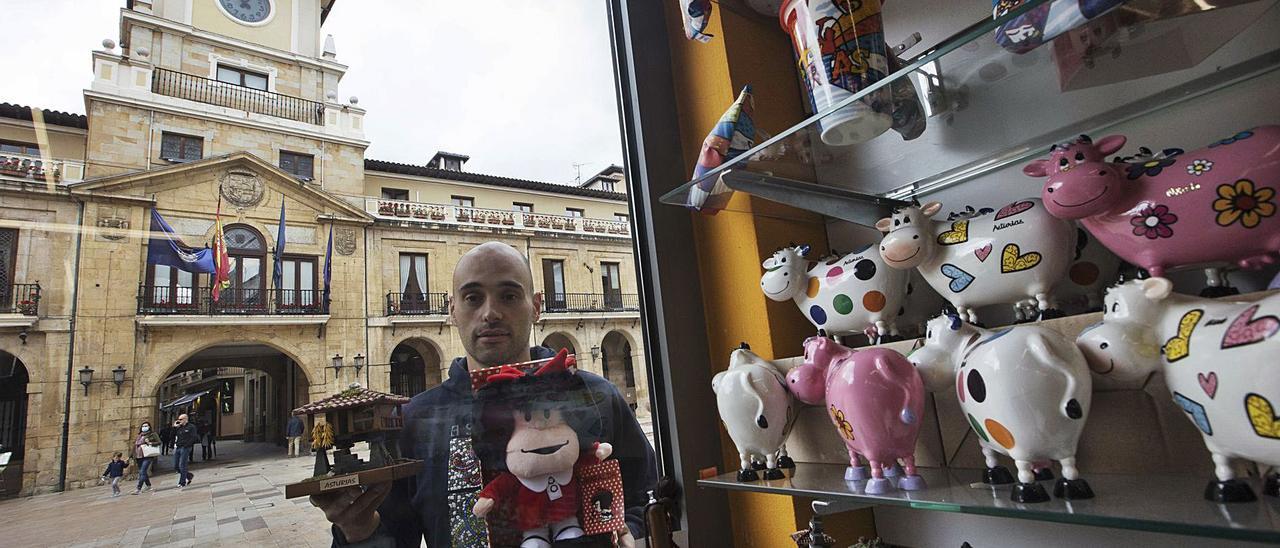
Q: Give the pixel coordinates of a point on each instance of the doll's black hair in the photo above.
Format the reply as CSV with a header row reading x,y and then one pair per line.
x,y
562,390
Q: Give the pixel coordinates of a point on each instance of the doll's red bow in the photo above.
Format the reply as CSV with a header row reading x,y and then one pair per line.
x,y
563,361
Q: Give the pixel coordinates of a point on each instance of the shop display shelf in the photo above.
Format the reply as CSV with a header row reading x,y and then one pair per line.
x,y
1156,503
992,109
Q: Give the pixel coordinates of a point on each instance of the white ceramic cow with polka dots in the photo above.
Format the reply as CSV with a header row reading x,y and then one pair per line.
x,y
1025,391
842,294
1014,255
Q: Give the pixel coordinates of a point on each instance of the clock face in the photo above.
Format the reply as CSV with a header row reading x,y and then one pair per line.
x,y
248,11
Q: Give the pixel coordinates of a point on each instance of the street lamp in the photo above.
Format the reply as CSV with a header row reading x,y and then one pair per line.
x,y
358,363
595,353
336,363
86,378
117,376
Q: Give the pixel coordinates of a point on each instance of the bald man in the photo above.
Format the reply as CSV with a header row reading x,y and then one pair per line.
x,y
494,307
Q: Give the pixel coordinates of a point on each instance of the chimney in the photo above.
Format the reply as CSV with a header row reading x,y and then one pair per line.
x,y
330,51
448,161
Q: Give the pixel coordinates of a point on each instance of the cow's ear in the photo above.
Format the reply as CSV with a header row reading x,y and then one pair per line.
x,y
884,224
1110,144
1157,288
1037,168
803,250
931,208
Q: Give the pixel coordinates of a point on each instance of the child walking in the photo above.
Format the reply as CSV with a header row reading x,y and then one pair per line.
x,y
115,471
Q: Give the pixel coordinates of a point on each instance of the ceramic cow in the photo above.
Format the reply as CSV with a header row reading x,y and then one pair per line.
x,y
1025,391
842,294
1219,362
757,410
1094,269
875,399
1014,255
1211,206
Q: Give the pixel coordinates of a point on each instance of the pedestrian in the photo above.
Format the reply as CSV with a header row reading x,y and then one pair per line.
x,y
146,447
185,438
206,435
115,471
166,439
293,432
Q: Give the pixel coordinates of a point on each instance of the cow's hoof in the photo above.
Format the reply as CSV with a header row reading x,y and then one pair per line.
x,y
1051,313
1044,474
758,465
748,475
911,483
1272,487
1232,490
1075,489
1219,291
1028,493
998,475
786,462
774,474
892,471
879,486
856,473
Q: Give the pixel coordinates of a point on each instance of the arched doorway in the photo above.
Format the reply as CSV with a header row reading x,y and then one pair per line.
x,y
236,391
615,352
13,421
559,340
415,367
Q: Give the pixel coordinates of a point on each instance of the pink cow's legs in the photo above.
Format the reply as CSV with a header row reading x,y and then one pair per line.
x,y
856,470
878,484
910,481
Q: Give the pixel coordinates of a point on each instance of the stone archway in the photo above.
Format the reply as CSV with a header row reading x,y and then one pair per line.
x,y
616,353
415,367
559,340
13,420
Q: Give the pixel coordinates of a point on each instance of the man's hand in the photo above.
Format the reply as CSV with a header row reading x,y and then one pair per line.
x,y
603,450
353,511
482,507
623,539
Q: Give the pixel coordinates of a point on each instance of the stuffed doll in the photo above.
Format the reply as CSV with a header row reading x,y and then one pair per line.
x,y
540,430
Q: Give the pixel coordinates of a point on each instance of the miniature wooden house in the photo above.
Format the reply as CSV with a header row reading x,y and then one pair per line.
x,y
359,414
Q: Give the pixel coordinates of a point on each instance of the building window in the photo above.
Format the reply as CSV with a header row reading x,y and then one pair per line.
x,y
553,294
176,147
8,260
16,147
573,212
453,164
521,206
611,282
298,281
621,217
247,251
242,77
395,194
300,165
413,282
463,201
606,185
171,287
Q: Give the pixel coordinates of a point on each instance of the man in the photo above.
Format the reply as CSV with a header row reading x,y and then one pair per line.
x,y
293,432
185,438
494,308
166,439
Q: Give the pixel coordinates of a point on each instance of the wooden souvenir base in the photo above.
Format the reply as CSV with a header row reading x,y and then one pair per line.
x,y
315,486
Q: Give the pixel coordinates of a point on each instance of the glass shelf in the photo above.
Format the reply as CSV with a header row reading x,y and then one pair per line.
x,y
1156,503
996,108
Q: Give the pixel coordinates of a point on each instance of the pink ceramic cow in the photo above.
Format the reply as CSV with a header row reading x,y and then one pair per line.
x,y
1211,206
875,399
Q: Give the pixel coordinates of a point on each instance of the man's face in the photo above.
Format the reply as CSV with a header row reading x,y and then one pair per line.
x,y
494,305
182,419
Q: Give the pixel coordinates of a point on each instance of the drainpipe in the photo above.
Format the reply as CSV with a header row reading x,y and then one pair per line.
x,y
71,351
368,356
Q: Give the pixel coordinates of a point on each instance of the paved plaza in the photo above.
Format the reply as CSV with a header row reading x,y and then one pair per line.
x,y
235,499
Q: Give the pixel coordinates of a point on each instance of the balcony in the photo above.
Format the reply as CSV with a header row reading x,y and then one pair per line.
x,y
417,304
494,218
205,90
34,168
163,305
19,305
590,302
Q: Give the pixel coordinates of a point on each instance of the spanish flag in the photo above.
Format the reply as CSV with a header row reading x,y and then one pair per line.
x,y
222,272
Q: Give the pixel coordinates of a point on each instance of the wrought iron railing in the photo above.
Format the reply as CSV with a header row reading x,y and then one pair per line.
x,y
20,299
209,91
590,302
417,303
166,300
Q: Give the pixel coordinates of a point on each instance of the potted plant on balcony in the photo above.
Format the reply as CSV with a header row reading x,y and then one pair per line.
x,y
13,167
27,307
463,215
544,222
437,214
402,210
386,208
419,212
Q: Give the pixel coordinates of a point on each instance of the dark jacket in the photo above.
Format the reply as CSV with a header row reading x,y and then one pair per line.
x,y
115,468
418,507
295,427
187,435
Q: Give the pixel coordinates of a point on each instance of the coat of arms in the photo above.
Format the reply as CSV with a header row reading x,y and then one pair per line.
x,y
344,240
242,188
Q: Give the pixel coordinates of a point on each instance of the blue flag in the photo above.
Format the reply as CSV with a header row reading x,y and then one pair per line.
x,y
277,274
164,247
328,266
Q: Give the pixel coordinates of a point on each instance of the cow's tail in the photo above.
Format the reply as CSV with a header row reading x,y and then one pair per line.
x,y
750,388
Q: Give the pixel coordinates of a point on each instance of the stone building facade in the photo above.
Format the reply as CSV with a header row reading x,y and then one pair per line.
x,y
204,113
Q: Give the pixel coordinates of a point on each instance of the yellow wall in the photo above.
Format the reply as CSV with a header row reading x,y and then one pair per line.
x,y
278,33
439,191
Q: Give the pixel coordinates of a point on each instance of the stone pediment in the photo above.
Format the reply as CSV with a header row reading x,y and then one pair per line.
x,y
243,181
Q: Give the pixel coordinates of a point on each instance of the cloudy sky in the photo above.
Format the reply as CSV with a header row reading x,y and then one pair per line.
x,y
524,88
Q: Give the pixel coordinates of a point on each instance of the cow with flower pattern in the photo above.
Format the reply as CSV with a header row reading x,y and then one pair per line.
x,y
1212,206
